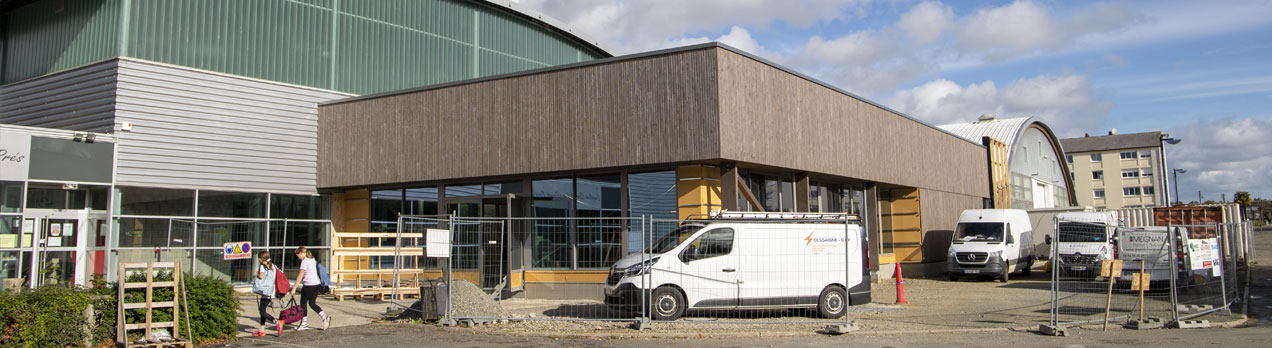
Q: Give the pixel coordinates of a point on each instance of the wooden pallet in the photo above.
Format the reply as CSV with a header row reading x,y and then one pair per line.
x,y
177,303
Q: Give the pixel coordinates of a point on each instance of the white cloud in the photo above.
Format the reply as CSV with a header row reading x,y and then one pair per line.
x,y
1223,156
631,26
926,22
1064,102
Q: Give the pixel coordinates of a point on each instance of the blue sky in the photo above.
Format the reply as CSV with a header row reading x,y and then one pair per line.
x,y
1198,70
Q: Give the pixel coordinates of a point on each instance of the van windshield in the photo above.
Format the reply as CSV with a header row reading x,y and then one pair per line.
x,y
671,240
979,232
1077,232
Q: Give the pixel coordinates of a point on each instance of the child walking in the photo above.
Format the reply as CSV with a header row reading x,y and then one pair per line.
x,y
266,272
309,284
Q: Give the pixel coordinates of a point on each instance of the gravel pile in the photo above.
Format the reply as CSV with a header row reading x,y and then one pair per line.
x,y
469,301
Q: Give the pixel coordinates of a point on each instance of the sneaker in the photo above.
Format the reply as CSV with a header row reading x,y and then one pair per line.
x,y
279,325
303,327
326,322
258,333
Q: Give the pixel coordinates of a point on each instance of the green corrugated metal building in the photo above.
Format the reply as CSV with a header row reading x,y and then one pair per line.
x,y
214,107
354,46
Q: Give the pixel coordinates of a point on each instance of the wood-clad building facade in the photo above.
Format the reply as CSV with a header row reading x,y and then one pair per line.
x,y
723,128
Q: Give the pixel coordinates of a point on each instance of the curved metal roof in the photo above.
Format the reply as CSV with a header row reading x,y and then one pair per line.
x,y
550,23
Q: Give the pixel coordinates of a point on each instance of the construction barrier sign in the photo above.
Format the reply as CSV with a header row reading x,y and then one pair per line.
x,y
237,250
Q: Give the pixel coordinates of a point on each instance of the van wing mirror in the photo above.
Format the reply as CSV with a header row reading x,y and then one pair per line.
x,y
689,254
1048,239
1010,240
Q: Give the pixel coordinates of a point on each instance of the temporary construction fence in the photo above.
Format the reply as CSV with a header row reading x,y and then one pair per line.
x,y
1141,276
789,268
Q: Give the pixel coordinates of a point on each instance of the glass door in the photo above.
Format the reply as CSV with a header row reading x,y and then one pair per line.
x,y
479,247
53,243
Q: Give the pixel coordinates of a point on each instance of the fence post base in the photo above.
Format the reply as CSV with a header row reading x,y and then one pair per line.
x,y
1148,323
1052,330
643,324
840,329
1193,324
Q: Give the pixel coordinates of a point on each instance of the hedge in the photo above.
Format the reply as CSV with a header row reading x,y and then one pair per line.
x,y
53,316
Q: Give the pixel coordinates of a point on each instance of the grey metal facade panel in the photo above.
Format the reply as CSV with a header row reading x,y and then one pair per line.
x,y
654,109
81,99
199,129
771,117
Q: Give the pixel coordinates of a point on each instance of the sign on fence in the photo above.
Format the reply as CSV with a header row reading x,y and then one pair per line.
x,y
1201,253
237,250
437,243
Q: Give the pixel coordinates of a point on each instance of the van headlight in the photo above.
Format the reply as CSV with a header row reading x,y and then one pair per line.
x,y
997,254
640,268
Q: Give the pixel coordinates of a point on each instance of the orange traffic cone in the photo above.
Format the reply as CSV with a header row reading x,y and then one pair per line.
x,y
900,286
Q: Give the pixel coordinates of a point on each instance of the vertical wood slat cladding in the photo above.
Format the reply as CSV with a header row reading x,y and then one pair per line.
x,y
771,117
655,109
940,212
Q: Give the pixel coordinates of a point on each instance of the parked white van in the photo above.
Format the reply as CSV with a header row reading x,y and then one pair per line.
x,y
740,264
1084,240
1151,245
991,242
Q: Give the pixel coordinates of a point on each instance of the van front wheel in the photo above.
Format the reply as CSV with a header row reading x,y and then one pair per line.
x,y
833,302
667,304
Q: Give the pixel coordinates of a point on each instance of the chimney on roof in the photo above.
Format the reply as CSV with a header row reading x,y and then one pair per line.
x,y
1113,131
985,118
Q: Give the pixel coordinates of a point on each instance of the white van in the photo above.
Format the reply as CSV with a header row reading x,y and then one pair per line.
x,y
1084,240
1150,245
991,242
746,264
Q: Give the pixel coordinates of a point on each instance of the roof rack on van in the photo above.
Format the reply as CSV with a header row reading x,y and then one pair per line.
x,y
776,216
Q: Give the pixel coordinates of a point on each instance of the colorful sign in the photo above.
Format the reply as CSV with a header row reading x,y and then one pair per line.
x,y
1201,253
237,250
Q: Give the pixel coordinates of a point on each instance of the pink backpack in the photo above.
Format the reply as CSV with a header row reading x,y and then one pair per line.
x,y
281,285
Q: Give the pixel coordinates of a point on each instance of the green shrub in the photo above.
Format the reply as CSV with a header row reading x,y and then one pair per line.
x,y
46,317
213,308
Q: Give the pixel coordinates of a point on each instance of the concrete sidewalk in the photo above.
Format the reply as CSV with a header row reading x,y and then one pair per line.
x,y
343,313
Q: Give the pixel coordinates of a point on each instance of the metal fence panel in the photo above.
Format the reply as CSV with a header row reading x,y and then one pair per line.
x,y
1082,294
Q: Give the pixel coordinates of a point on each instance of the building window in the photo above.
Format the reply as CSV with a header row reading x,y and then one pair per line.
x,y
232,204
1099,193
550,246
1128,155
1130,173
1147,190
11,196
1095,157
650,194
598,204
1097,175
1131,191
386,205
421,201
1068,158
300,207
1146,154
1146,171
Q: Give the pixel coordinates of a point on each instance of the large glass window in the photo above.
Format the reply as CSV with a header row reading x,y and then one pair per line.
x,y
231,204
300,207
216,234
10,227
464,190
599,204
854,200
650,194
500,188
151,233
155,201
295,233
55,198
385,207
11,196
421,201
551,242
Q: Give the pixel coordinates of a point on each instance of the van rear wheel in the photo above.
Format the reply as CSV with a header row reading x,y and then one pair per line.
x,y
1028,268
833,302
666,304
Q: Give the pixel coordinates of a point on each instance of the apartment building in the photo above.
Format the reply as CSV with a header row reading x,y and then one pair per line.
x,y
1117,170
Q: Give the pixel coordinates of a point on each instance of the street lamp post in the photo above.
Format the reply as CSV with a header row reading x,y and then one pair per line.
x,y
1166,139
1175,174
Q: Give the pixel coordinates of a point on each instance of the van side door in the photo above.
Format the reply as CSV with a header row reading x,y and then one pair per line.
x,y
710,270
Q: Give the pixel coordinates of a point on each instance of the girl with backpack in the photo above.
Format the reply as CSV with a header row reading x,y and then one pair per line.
x,y
309,285
265,287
